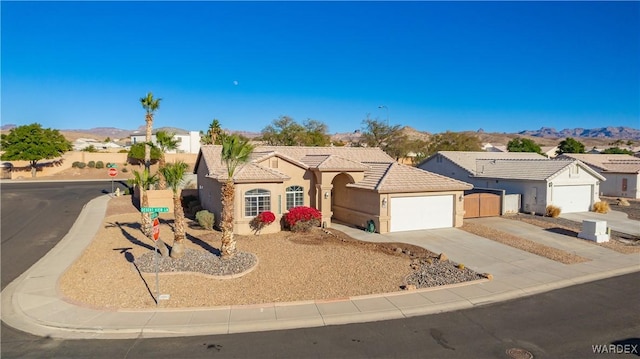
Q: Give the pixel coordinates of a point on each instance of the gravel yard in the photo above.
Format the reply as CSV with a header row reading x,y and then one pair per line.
x,y
117,270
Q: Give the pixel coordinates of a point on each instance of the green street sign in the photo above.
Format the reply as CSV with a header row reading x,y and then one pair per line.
x,y
154,209
154,215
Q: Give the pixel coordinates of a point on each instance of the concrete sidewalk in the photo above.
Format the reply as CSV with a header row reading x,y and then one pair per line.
x,y
32,303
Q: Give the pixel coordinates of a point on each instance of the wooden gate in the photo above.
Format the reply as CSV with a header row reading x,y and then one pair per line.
x,y
481,205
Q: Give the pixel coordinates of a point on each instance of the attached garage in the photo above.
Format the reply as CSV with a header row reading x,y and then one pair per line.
x,y
421,212
572,199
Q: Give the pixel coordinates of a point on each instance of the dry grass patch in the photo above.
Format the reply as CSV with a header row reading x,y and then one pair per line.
x,y
542,250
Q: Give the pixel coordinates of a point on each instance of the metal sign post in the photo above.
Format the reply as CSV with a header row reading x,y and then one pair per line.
x,y
156,236
112,171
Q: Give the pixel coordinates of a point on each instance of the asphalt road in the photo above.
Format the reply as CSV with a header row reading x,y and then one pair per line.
x,y
565,323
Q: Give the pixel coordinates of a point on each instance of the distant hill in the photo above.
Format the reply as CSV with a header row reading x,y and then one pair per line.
x,y
621,133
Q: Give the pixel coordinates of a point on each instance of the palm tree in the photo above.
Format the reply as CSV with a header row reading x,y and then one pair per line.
x,y
150,105
214,134
166,142
234,152
143,181
173,173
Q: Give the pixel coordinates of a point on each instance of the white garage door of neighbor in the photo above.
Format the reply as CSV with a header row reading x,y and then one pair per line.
x,y
572,199
428,212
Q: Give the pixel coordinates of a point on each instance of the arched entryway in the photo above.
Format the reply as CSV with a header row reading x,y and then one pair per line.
x,y
339,196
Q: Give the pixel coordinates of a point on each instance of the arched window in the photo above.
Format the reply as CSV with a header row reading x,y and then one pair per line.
x,y
295,196
256,201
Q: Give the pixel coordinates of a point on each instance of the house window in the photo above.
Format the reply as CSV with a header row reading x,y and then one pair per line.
x,y
256,201
295,196
624,185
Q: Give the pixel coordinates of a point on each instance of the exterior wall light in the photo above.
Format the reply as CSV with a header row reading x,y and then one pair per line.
x,y
326,195
384,202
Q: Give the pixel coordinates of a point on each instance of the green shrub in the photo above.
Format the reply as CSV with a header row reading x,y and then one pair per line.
x,y
81,165
91,164
205,219
552,211
75,164
125,170
99,164
123,151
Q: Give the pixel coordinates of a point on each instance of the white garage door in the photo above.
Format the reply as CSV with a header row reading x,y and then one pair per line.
x,y
572,199
411,213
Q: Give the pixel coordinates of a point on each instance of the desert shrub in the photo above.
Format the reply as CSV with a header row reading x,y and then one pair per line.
x,y
123,151
601,207
91,164
81,165
205,219
262,220
99,164
302,219
75,164
125,170
90,148
623,202
552,211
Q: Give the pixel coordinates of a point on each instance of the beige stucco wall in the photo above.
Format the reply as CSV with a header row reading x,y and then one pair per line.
x,y
49,167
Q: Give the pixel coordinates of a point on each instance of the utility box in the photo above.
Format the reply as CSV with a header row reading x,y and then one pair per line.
x,y
594,230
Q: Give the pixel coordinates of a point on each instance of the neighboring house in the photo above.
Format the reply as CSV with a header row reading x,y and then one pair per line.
x,y
353,185
488,147
549,151
82,143
621,171
569,184
188,141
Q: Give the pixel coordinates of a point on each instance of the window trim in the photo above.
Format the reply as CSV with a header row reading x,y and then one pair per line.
x,y
256,200
297,194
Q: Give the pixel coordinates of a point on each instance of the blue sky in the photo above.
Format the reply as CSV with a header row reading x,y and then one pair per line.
x,y
436,66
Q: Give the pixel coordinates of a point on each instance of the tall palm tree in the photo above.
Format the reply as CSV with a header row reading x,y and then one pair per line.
x,y
150,105
173,173
234,152
166,142
143,180
214,134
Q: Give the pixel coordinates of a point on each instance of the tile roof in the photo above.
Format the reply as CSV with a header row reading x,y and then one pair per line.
x,y
381,172
467,160
396,178
618,163
333,162
524,169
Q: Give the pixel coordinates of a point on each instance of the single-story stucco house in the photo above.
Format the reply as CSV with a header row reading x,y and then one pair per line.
x,y
621,171
569,184
353,185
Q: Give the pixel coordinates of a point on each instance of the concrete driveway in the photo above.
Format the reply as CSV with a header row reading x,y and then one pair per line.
x,y
618,221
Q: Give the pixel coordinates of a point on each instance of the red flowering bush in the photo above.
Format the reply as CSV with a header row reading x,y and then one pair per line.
x,y
262,220
266,217
301,219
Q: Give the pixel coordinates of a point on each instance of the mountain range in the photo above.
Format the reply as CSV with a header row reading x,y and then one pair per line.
x,y
622,133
